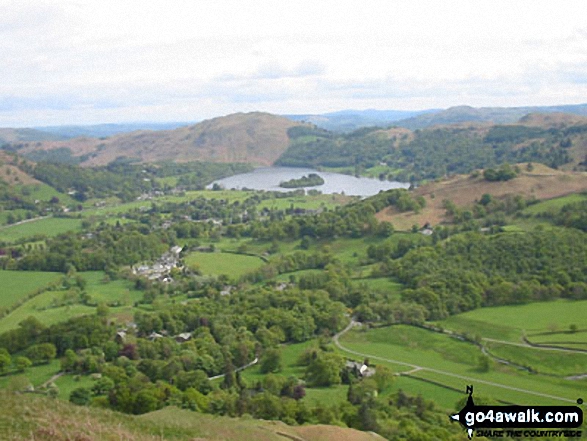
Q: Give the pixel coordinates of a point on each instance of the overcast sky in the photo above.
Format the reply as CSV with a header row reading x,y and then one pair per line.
x,y
80,62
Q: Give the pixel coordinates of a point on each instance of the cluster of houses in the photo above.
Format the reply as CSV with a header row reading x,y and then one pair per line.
x,y
122,335
161,268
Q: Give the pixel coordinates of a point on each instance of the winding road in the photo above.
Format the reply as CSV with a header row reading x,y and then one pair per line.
x,y
415,367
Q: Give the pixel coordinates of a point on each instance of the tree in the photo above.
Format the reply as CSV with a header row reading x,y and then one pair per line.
x,y
69,361
80,396
271,361
22,363
41,353
324,369
5,360
103,386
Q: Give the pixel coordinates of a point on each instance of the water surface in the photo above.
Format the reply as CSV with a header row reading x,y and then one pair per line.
x,y
268,179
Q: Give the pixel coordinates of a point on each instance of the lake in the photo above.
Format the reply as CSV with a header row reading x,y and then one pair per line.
x,y
268,179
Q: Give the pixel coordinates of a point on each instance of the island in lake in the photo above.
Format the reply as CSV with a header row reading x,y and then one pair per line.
x,y
312,180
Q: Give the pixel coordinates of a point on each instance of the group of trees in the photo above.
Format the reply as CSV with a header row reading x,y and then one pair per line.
x,y
431,153
472,270
126,180
312,180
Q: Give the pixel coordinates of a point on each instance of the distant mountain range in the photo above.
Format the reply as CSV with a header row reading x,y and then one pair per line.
x,y
494,115
349,120
262,138
256,138
341,121
106,130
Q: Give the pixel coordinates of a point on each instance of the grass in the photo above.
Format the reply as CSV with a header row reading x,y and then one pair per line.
x,y
51,226
44,192
233,265
289,357
443,397
554,205
382,284
510,322
46,307
307,202
27,417
542,361
37,375
68,383
101,291
18,284
451,359
572,340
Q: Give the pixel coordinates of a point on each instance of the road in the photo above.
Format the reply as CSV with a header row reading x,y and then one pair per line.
x,y
255,361
469,380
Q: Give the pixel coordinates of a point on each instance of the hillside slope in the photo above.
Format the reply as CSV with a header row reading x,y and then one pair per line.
x,y
26,417
258,138
542,183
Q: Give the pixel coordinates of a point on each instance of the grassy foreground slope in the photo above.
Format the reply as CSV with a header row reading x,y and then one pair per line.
x,y
25,417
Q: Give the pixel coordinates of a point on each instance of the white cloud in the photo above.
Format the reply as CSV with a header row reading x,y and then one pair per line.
x,y
66,60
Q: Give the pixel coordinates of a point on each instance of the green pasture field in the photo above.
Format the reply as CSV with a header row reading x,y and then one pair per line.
x,y
554,205
121,291
233,265
18,213
528,386
443,397
114,209
43,306
39,307
456,364
18,284
68,383
289,357
510,322
566,339
37,375
540,360
324,201
44,192
381,284
51,226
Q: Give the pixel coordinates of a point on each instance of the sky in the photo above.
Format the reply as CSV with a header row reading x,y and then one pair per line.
x,y
88,62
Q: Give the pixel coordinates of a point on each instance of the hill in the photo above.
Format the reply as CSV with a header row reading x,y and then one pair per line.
x,y
24,417
10,173
257,138
25,135
542,183
349,120
104,130
557,140
494,115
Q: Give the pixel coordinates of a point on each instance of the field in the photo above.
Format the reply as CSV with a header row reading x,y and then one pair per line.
x,y
51,226
18,284
233,265
289,356
511,322
56,306
447,362
36,375
324,201
554,205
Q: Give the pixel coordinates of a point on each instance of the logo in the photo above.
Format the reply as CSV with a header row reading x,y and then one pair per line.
x,y
500,421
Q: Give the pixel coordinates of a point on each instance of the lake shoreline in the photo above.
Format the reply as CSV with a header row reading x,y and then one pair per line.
x,y
269,178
